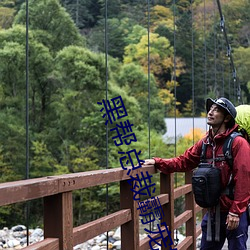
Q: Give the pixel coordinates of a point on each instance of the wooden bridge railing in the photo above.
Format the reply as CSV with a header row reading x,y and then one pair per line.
x,y
56,192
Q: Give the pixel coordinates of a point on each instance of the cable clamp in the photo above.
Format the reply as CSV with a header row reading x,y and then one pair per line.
x,y
222,23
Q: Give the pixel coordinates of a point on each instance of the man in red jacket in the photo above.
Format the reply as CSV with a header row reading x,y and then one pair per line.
x,y
221,115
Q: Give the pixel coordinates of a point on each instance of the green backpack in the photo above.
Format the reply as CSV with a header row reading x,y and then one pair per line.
x,y
243,120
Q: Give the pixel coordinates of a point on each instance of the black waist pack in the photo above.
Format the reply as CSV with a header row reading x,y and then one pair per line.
x,y
206,183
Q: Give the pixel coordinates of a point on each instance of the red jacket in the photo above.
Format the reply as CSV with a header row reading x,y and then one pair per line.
x,y
241,167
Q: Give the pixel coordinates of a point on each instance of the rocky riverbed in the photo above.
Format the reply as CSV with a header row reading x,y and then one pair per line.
x,y
16,238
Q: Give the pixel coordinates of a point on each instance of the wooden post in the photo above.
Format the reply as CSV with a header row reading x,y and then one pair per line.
x,y
190,205
167,187
58,219
129,230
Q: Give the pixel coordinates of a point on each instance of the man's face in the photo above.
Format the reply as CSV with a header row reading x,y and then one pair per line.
x,y
215,116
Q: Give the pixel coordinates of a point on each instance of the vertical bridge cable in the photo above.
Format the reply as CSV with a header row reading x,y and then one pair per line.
x,y
77,13
175,95
215,53
27,207
106,82
174,80
222,68
174,73
229,53
205,51
192,77
149,121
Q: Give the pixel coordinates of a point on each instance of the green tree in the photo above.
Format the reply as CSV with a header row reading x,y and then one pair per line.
x,y
84,13
136,83
241,56
6,17
53,25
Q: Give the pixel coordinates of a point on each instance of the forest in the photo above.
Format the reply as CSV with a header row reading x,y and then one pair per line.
x,y
164,58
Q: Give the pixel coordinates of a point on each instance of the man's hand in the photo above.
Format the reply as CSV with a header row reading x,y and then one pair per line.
x,y
232,222
149,162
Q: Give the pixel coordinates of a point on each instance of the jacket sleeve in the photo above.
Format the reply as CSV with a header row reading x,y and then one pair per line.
x,y
185,162
241,175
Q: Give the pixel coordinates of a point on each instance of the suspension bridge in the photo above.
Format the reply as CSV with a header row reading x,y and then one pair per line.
x,y
56,191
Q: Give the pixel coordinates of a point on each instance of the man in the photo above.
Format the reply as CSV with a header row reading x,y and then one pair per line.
x,y
221,115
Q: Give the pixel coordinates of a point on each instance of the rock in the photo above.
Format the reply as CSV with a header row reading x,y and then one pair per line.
x,y
91,242
18,228
13,240
111,233
18,234
117,235
18,247
103,243
95,248
100,238
3,233
13,243
117,244
38,232
111,240
23,240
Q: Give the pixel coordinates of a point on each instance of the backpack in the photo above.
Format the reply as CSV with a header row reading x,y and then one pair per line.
x,y
243,120
206,179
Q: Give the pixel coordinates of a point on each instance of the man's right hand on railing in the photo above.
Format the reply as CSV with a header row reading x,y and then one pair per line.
x,y
149,162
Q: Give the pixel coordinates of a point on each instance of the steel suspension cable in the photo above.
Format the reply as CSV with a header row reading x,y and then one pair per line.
x,y
192,76
175,95
229,54
148,30
106,83
27,207
174,75
222,68
149,121
215,52
205,49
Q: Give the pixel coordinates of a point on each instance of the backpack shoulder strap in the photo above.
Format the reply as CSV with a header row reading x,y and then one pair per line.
x,y
227,148
203,152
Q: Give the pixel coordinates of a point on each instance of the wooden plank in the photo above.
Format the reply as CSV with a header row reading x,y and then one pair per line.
x,y
185,244
144,243
182,218
90,230
198,209
58,219
46,244
182,190
190,205
167,187
163,198
129,230
24,190
198,231
98,177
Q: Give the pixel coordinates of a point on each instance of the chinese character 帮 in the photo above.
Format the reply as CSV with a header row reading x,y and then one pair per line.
x,y
123,132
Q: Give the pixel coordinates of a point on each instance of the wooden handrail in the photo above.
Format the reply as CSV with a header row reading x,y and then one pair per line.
x,y
56,191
